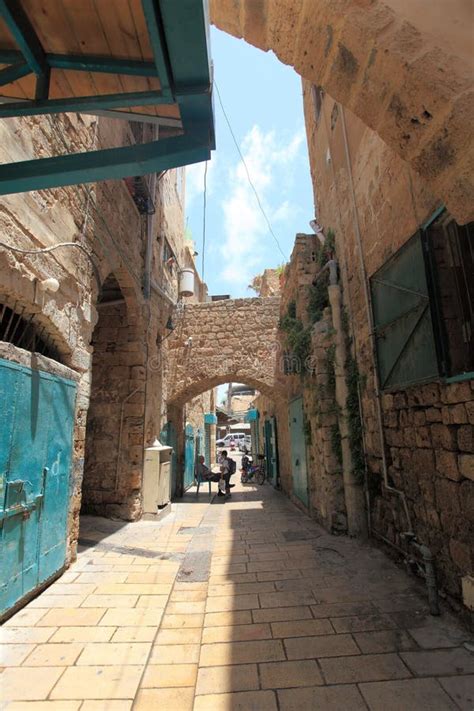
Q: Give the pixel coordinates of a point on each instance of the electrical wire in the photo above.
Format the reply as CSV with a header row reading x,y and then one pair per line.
x,y
89,197
45,250
204,223
248,174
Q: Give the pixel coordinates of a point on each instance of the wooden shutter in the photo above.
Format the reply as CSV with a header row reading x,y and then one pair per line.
x,y
404,336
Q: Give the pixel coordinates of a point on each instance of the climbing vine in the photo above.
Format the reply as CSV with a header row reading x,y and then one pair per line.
x,y
355,383
298,337
336,439
318,295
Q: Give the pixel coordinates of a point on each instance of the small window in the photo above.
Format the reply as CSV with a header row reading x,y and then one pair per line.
x,y
25,332
422,301
169,259
317,96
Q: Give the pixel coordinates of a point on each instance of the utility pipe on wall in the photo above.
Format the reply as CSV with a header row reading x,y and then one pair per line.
x,y
353,491
368,305
150,229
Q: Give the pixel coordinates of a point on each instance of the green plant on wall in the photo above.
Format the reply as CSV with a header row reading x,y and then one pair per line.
x,y
328,249
336,442
353,380
318,295
355,384
298,338
336,439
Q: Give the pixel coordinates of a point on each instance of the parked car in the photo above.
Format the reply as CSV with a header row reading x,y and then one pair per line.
x,y
238,438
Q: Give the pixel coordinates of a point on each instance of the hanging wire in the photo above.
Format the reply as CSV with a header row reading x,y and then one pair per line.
x,y
58,129
248,174
52,248
204,223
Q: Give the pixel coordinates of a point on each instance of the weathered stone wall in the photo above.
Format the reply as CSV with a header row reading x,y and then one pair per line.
x,y
120,359
211,346
406,73
427,429
267,283
314,382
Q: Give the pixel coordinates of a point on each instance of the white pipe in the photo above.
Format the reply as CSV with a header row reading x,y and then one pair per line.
x,y
368,304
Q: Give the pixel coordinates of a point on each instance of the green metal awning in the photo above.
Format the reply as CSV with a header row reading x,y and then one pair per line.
x,y
143,60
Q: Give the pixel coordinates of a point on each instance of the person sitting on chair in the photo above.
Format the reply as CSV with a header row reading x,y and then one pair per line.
x,y
202,471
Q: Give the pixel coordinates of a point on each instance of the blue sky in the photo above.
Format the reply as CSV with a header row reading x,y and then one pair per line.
x,y
263,101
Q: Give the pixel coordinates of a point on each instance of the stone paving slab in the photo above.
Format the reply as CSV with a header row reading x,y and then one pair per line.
x,y
245,606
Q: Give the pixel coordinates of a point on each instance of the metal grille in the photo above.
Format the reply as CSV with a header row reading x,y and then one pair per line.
x,y
20,329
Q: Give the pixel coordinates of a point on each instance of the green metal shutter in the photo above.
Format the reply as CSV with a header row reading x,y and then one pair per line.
x,y
406,350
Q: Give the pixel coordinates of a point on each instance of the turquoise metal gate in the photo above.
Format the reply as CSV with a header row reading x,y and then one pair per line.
x,y
189,456
298,451
271,453
36,423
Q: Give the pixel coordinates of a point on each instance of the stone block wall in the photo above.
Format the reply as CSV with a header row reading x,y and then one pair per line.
x,y
204,353
316,387
430,435
427,429
124,355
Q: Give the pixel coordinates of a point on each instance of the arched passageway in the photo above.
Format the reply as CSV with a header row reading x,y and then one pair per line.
x,y
224,341
406,73
115,421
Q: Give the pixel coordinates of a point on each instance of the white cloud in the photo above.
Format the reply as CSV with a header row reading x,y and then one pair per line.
x,y
247,241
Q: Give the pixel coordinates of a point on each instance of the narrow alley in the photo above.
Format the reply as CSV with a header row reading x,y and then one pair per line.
x,y
246,604
236,355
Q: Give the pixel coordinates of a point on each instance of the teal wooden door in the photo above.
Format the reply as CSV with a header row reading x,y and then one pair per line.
x,y
189,456
207,444
271,454
298,451
36,423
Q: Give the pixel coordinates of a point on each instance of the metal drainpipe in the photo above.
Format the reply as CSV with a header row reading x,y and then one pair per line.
x,y
426,553
430,576
150,223
368,304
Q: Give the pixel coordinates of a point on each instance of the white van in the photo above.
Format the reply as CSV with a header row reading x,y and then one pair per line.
x,y
238,438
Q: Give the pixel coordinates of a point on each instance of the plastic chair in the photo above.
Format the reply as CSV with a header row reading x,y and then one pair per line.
x,y
199,481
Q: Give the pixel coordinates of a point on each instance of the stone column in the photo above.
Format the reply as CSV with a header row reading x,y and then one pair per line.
x,y
353,491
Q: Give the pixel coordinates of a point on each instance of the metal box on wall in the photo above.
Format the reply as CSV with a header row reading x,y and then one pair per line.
x,y
156,477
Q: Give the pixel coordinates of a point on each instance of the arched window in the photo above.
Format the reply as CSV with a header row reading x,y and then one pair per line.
x,y
24,331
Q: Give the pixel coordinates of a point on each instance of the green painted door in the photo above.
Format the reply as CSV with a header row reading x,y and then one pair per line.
x,y
271,453
189,456
207,444
298,451
36,423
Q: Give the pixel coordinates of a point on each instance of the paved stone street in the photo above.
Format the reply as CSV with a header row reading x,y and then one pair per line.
x,y
243,604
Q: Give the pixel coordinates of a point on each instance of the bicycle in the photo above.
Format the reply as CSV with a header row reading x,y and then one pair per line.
x,y
261,471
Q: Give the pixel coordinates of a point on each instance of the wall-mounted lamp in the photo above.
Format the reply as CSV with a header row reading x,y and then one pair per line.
x,y
51,284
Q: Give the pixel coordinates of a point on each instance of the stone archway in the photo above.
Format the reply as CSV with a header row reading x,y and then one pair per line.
x,y
234,340
405,72
115,419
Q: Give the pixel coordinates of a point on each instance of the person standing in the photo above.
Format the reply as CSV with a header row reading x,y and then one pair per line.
x,y
226,473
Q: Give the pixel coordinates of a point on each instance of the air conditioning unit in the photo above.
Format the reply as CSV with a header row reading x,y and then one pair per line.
x,y
156,477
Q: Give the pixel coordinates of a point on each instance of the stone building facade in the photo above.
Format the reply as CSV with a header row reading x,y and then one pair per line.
x,y
107,322
419,451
